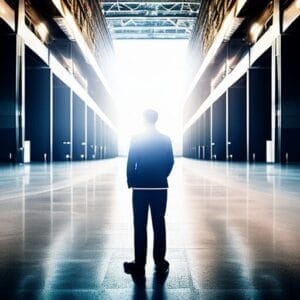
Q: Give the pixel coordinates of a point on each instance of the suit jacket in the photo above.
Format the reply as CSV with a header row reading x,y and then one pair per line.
x,y
150,160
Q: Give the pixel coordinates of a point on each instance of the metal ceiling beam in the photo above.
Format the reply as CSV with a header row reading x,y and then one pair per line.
x,y
154,36
159,23
146,29
150,18
145,19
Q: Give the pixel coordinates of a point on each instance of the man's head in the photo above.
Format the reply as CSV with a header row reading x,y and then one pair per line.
x,y
150,117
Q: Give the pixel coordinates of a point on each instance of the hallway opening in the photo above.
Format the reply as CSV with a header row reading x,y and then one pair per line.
x,y
150,74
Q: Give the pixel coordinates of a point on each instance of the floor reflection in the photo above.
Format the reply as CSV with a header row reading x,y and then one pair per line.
x,y
233,232
159,291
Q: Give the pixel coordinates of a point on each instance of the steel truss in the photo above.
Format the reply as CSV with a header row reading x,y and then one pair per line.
x,y
150,20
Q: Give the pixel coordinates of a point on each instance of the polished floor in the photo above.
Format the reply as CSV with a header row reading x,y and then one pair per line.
x,y
233,232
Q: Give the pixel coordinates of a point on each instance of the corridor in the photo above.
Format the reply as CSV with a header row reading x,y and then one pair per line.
x,y
66,229
221,80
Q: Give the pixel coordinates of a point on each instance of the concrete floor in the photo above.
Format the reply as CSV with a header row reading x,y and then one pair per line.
x,y
233,232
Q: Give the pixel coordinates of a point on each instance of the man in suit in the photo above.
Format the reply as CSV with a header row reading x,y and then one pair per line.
x,y
150,162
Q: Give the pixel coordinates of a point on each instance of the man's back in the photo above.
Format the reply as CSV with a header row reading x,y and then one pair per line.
x,y
150,160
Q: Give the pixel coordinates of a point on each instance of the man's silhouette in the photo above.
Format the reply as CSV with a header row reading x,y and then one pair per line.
x,y
150,162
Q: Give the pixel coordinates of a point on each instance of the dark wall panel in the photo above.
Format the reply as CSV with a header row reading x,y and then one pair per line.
x,y
219,128
291,96
198,139
105,143
259,112
91,134
207,140
193,139
7,98
79,142
37,112
98,138
61,122
202,135
237,127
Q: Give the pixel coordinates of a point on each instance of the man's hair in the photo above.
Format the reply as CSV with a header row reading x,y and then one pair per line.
x,y
150,116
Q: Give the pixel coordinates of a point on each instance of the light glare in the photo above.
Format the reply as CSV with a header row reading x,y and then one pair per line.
x,y
150,75
43,31
255,31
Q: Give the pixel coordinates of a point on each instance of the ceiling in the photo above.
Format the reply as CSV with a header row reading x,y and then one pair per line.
x,y
150,19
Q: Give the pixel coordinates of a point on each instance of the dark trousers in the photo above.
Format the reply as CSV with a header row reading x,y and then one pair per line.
x,y
157,201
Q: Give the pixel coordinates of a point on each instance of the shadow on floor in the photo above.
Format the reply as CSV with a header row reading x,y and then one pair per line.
x,y
158,285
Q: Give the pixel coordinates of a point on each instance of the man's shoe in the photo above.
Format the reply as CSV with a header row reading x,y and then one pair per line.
x,y
133,269
162,268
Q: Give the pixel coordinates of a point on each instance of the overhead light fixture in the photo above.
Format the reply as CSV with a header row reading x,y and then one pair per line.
x,y
42,31
2,10
255,31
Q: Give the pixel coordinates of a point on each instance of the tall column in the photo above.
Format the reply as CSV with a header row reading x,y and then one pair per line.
x,y
227,146
20,82
276,82
248,115
20,99
71,124
51,116
211,126
276,100
85,131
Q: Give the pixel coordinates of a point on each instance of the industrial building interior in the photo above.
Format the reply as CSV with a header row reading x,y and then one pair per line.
x,y
75,77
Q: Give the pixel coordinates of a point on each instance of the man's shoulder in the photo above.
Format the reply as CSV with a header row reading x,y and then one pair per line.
x,y
164,137
146,136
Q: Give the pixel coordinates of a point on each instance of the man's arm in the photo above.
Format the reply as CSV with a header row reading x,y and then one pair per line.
x,y
169,158
131,162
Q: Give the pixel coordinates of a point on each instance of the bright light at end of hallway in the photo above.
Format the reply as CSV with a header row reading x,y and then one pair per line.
x,y
150,74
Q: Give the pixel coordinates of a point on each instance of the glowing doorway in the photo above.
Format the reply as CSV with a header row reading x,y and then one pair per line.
x,y
150,74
